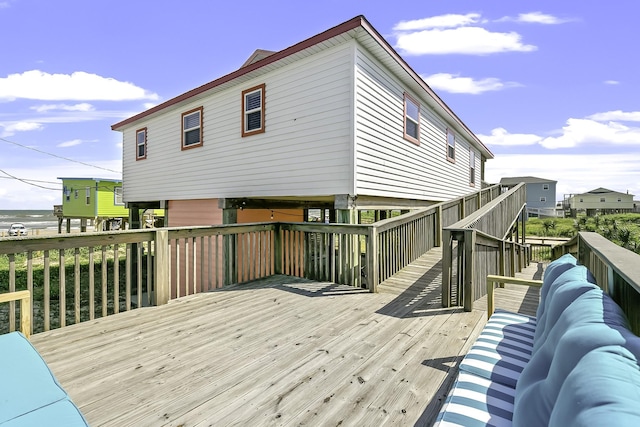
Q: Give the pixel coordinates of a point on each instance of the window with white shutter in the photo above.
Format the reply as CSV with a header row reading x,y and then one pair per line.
x,y
192,128
253,110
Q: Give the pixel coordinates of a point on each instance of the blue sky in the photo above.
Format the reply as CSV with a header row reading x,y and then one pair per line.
x,y
551,87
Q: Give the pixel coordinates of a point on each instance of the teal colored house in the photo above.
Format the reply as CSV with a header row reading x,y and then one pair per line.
x,y
95,199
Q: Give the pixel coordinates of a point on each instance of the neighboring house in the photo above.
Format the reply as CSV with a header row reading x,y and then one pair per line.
x,y
97,200
599,201
541,194
338,121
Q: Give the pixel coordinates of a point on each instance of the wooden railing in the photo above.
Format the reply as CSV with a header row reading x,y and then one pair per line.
x,y
483,243
77,277
616,270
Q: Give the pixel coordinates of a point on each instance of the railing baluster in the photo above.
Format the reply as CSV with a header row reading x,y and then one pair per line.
x,y
116,279
76,284
92,283
62,291
47,291
12,288
103,282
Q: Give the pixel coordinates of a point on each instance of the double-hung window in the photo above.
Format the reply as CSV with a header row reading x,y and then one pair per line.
x,y
411,120
253,110
192,128
117,196
472,167
87,194
141,144
451,145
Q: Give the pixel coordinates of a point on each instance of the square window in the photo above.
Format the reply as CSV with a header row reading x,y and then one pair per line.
x,y
192,128
253,110
411,120
141,144
545,186
543,199
451,145
601,199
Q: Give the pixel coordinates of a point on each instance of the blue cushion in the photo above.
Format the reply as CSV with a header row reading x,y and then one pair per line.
x,y
603,389
551,273
502,349
61,413
475,401
589,322
565,292
27,383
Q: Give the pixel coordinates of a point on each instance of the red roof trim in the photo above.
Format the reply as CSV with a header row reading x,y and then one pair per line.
x,y
326,35
358,21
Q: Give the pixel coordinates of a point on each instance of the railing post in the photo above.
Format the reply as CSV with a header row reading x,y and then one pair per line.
x,y
277,249
469,258
438,230
161,268
372,259
447,243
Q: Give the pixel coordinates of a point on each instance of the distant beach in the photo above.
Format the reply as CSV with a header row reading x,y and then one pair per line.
x,y
37,221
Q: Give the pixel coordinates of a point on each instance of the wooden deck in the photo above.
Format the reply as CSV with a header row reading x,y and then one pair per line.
x,y
279,351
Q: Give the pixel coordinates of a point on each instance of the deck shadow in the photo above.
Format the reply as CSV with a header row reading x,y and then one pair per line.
x,y
430,413
297,285
422,298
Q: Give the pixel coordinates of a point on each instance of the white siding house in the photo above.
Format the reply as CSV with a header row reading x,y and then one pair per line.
x,y
337,121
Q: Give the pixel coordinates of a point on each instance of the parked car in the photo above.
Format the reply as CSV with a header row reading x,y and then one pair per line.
x,y
17,229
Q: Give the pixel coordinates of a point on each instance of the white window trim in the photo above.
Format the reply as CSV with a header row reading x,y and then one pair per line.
x,y
543,199
198,110
87,195
245,113
545,186
144,144
117,190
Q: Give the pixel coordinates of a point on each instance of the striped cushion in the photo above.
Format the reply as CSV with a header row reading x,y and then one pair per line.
x,y
502,349
475,401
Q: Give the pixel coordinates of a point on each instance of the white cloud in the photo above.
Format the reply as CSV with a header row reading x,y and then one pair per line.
x,y
453,83
25,126
74,142
4,4
624,116
71,143
442,21
600,128
500,137
462,40
575,173
80,86
586,131
611,82
63,107
539,18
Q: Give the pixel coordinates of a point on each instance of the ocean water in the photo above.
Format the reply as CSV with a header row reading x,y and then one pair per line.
x,y
32,219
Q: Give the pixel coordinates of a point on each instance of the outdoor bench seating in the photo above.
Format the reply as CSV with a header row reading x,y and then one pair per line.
x,y
29,393
575,363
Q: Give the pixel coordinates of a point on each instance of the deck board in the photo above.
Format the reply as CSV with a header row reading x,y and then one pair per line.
x,y
278,351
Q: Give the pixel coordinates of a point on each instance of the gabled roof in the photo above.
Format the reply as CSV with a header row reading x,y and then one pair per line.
x,y
602,190
526,179
257,56
358,28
